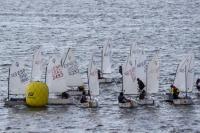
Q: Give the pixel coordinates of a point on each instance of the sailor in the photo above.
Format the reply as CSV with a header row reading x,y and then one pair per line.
x,y
198,84
175,92
120,70
122,98
83,98
81,88
65,95
141,86
99,74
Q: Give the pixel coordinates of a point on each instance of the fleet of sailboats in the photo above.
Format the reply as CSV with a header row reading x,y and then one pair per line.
x,y
62,75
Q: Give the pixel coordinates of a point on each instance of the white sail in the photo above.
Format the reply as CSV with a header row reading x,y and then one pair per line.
x,y
138,56
190,73
18,78
153,73
37,65
55,77
70,66
180,79
141,67
93,81
106,59
129,77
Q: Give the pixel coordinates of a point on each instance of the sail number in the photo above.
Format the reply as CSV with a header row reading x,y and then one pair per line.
x,y
22,75
72,68
57,72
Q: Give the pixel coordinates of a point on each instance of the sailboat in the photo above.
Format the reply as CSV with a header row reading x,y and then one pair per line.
x,y
129,82
152,81
17,80
93,85
55,79
105,75
184,80
63,76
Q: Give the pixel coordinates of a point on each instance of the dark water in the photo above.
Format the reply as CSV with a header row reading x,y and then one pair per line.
x,y
170,26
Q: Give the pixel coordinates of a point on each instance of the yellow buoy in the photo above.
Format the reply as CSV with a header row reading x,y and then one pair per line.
x,y
37,94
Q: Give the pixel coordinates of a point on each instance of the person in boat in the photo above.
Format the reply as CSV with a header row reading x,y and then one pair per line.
x,y
122,98
120,70
198,84
81,88
65,95
175,92
141,86
83,98
99,74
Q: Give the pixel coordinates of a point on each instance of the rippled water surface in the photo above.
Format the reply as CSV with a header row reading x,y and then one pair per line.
x,y
170,26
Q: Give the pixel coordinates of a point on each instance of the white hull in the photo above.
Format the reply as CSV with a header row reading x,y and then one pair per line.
x,y
51,101
59,101
75,92
183,101
128,104
146,101
90,104
14,103
105,80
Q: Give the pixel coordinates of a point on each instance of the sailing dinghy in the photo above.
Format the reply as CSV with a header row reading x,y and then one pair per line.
x,y
17,81
129,83
93,85
184,81
18,77
63,77
152,81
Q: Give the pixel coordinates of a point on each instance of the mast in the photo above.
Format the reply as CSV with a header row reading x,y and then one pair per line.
x,y
185,81
146,78
122,80
45,78
8,84
101,61
32,68
88,77
62,63
176,73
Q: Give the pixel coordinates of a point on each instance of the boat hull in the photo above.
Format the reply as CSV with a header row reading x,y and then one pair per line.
x,y
146,101
105,80
179,101
59,101
14,103
183,101
130,104
90,104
